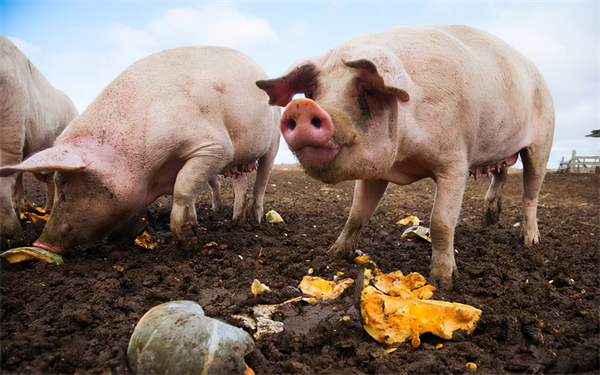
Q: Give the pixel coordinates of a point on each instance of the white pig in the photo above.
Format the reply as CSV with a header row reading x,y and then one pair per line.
x,y
32,115
415,102
166,126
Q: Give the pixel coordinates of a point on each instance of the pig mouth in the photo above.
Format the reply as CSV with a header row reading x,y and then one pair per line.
x,y
46,247
310,156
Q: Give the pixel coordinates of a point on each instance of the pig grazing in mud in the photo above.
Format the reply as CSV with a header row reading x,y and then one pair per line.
x,y
414,102
32,115
167,125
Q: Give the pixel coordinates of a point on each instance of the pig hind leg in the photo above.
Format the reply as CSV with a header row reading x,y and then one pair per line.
x,y
493,197
240,187
534,160
367,195
215,186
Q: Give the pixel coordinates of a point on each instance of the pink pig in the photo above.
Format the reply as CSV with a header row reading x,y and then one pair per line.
x,y
32,115
166,126
415,102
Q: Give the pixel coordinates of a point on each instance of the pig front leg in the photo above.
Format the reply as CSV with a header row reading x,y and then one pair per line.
x,y
446,209
10,225
265,166
196,172
367,195
493,197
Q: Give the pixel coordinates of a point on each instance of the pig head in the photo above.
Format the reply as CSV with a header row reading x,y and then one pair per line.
x,y
32,115
416,102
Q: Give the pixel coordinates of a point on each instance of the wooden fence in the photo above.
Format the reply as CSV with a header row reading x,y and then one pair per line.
x,y
583,161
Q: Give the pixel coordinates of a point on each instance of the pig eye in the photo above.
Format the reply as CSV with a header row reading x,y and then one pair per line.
x,y
369,92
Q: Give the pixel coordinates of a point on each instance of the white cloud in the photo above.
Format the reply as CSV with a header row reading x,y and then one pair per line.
x,y
212,24
130,44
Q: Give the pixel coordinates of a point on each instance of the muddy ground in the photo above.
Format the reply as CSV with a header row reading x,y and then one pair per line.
x,y
540,304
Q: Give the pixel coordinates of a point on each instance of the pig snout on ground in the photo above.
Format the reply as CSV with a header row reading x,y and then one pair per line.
x,y
168,125
32,115
414,102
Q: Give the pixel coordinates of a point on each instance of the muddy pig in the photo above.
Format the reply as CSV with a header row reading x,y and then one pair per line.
x,y
32,115
414,102
165,126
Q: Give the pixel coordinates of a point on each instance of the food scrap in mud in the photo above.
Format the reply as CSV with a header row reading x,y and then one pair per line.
x,y
211,247
323,289
409,219
32,212
258,287
416,231
273,217
395,308
21,254
146,241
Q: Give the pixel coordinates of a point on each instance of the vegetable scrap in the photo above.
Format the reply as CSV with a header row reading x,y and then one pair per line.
x,y
415,232
211,247
273,217
395,308
323,289
32,212
146,241
258,287
409,219
21,254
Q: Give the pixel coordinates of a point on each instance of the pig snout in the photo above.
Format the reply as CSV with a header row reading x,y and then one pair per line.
x,y
308,130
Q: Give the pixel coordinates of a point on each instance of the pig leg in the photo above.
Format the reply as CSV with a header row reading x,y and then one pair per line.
x,y
215,186
265,166
446,209
240,187
196,172
534,171
10,225
367,194
493,197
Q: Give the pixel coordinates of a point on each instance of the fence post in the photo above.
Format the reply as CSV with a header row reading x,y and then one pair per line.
x,y
572,162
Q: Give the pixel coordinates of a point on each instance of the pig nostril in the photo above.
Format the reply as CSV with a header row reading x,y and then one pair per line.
x,y
291,123
316,122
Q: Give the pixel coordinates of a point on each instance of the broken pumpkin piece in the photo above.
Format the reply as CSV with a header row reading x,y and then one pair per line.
x,y
21,254
32,212
396,284
409,219
323,289
362,259
416,232
273,217
396,319
258,287
146,241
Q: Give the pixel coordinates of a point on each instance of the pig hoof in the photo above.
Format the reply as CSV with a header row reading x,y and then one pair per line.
x,y
341,253
491,217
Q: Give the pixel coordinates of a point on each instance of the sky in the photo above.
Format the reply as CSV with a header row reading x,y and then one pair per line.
x,y
81,46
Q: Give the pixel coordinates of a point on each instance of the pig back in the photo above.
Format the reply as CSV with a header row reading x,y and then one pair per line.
x,y
470,88
163,106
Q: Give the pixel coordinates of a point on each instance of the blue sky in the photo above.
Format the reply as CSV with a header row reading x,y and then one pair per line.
x,y
80,46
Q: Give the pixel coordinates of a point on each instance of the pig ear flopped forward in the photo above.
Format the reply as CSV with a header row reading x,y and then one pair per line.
x,y
299,79
58,158
384,67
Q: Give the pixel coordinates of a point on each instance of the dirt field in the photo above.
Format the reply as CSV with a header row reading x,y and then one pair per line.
x,y
540,304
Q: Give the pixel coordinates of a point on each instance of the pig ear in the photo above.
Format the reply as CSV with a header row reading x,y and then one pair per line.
x,y
300,79
58,158
384,67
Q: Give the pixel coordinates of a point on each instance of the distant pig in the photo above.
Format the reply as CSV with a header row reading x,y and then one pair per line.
x,y
415,102
167,125
32,115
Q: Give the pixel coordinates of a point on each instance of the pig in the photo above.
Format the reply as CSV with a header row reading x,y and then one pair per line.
x,y
167,125
32,115
415,102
